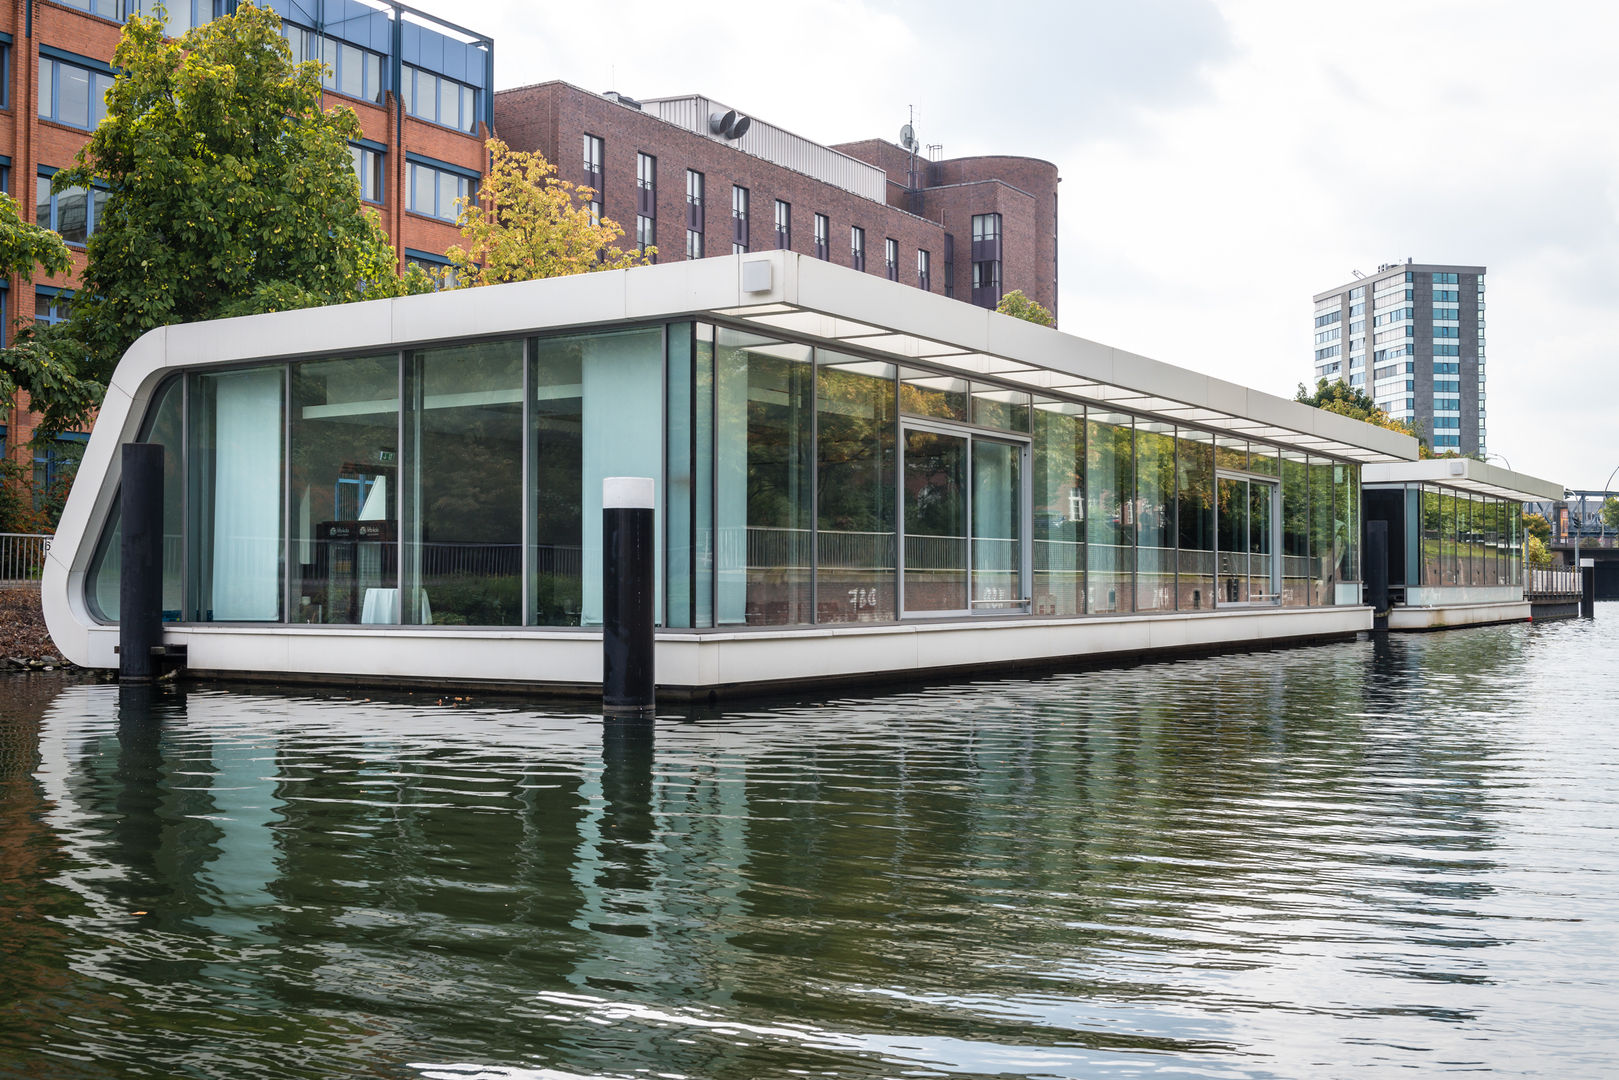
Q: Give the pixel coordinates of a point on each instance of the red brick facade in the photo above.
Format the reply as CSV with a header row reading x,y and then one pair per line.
x,y
32,144
554,118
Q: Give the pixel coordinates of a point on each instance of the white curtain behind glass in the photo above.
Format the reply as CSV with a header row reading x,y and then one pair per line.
x,y
247,497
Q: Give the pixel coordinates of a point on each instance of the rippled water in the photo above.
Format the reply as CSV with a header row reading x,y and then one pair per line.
x,y
1359,859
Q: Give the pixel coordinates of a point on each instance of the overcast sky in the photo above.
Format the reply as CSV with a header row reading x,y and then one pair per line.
x,y
1222,160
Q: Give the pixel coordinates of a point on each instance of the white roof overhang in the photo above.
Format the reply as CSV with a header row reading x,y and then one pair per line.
x,y
1465,474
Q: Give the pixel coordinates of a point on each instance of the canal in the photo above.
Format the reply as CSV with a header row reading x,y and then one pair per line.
x,y
1367,858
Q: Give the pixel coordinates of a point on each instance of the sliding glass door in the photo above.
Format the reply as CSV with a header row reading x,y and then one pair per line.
x,y
1246,539
965,547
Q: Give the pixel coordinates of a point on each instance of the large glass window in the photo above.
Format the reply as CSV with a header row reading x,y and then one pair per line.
x,y
438,99
1296,572
72,94
855,490
1059,508
235,495
435,192
344,487
1155,516
1327,530
765,403
164,425
690,469
345,68
1194,519
1110,510
598,412
74,212
462,502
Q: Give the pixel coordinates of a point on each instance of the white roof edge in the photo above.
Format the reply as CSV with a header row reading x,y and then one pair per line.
x,y
1468,474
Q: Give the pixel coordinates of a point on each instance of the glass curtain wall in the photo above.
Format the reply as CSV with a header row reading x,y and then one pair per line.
x,y
855,490
1058,456
1110,511
164,426
1325,532
1296,574
463,491
764,490
1155,516
343,475
1194,519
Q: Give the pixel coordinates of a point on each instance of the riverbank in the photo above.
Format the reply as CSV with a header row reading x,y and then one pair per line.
x,y
25,644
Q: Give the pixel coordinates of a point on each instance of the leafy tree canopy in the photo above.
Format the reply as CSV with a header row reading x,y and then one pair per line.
x,y
1019,306
1610,512
527,224
1336,396
230,192
1537,525
55,389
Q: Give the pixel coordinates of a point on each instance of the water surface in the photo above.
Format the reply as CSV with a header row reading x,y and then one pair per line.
x,y
1359,859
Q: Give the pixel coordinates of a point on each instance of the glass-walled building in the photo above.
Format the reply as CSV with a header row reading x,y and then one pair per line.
x,y
431,468
1455,539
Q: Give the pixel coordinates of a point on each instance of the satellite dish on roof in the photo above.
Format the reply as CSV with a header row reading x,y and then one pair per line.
x,y
907,138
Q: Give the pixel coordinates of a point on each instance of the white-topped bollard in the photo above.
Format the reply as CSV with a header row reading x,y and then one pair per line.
x,y
628,676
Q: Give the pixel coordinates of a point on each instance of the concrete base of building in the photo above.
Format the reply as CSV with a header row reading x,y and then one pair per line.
x,y
1452,616
712,663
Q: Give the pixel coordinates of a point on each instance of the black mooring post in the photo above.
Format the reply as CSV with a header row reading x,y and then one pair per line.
x,y
1588,588
1377,572
140,577
628,679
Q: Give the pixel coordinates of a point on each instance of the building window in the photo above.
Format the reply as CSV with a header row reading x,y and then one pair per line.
x,y
55,463
73,94
437,266
5,74
891,258
857,247
986,260
924,270
595,151
986,227
438,100
345,69
739,219
694,244
50,305
784,225
694,209
987,284
823,243
183,15
73,212
433,191
106,9
368,169
646,231
646,185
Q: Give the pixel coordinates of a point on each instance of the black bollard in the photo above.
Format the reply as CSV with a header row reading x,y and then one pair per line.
x,y
628,678
1377,572
1588,588
140,581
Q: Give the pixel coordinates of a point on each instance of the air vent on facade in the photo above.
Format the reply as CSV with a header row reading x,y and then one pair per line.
x,y
729,124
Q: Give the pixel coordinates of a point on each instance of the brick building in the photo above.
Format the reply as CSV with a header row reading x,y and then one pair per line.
x,y
420,87
674,173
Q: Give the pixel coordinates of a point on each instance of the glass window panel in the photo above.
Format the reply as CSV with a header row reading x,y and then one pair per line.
x,y
469,111
464,503
164,427
856,541
344,489
1194,519
1232,521
1231,453
1447,536
100,84
997,525
1432,574
72,214
1323,532
1155,516
329,49
1110,510
350,71
935,513
679,458
1348,500
1296,572
235,495
765,403
42,201
1264,459
373,76
448,191
449,100
923,393
598,412
47,73
998,408
1058,467
72,95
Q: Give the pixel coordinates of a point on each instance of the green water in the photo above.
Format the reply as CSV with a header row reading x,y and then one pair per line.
x,y
1361,859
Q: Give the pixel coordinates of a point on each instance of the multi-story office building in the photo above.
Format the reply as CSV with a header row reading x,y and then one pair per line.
x,y
420,87
696,179
1411,337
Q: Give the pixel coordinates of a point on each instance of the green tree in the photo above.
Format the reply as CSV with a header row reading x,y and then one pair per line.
x,y
1336,396
1535,552
1610,512
230,192
1019,306
527,224
1537,526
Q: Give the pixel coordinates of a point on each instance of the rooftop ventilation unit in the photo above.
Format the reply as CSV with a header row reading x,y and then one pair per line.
x,y
729,124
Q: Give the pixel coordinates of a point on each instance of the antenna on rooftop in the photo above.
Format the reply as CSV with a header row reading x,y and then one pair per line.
x,y
1358,274
907,139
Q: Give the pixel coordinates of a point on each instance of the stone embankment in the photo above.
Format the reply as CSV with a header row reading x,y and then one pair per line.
x,y
24,643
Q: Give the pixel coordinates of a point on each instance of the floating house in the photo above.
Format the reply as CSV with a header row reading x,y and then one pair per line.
x,y
1454,539
854,480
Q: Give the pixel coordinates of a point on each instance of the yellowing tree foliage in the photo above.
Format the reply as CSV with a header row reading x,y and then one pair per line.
x,y
1020,306
527,224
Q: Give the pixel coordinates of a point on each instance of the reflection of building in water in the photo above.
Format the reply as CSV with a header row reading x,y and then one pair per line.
x,y
854,479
